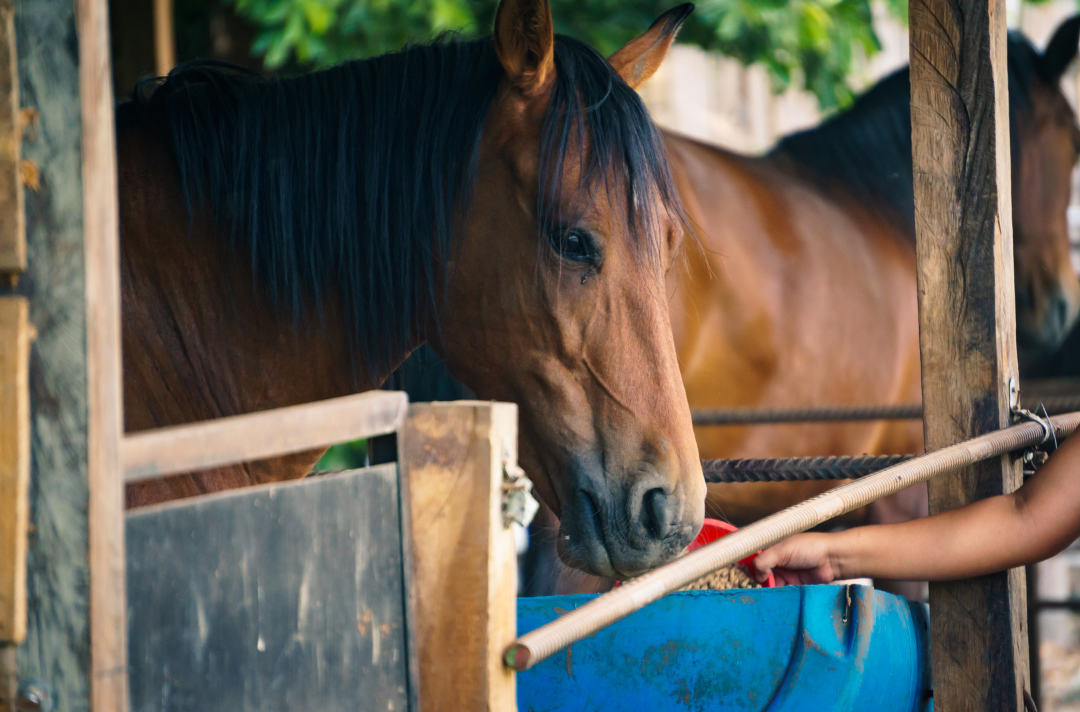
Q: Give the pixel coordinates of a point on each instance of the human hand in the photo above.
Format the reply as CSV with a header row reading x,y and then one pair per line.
x,y
802,559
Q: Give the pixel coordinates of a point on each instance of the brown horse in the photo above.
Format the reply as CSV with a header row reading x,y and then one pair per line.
x,y
507,199
803,290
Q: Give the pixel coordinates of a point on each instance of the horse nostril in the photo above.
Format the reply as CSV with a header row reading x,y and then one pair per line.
x,y
656,513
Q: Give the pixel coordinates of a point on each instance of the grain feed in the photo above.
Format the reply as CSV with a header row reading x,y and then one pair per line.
x,y
722,580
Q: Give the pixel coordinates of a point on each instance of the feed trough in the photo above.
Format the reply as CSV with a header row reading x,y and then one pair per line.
x,y
790,649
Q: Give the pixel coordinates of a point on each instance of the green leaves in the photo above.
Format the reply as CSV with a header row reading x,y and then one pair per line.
x,y
809,42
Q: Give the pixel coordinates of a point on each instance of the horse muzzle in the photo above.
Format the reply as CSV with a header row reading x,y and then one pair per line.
x,y
625,531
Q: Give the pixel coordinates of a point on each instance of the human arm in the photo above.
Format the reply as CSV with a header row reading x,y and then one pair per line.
x,y
1037,521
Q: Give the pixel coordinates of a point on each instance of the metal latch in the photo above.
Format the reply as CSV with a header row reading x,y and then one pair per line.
x,y
518,503
1033,457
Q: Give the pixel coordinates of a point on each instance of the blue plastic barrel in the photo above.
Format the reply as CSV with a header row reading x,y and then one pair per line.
x,y
804,649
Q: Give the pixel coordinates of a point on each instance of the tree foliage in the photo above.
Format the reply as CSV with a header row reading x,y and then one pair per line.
x,y
812,42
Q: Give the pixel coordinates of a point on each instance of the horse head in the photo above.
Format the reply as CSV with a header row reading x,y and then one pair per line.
x,y
555,292
1047,141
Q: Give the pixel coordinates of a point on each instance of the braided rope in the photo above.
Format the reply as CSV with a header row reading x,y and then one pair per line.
x,y
1055,405
797,469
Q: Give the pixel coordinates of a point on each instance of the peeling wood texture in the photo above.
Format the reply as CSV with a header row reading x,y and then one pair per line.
x,y
462,573
275,598
15,335
74,557
12,215
960,138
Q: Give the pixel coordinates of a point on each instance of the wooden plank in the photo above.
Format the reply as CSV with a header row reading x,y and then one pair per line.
x,y
15,335
105,418
274,598
240,438
960,138
462,571
164,37
12,214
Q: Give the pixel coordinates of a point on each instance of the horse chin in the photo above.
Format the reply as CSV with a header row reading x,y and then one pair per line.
x,y
591,558
590,554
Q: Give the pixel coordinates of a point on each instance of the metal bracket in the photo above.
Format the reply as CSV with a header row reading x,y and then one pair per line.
x,y
518,503
1033,457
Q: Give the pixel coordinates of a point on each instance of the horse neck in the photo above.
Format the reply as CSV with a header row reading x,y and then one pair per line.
x,y
199,340
745,300
194,353
709,179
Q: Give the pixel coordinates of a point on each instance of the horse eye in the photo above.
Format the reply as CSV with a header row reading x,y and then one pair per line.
x,y
576,245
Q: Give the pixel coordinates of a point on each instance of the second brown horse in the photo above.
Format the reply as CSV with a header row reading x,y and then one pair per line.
x,y
804,292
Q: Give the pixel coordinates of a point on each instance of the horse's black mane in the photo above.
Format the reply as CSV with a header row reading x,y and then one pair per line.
x,y
868,147
348,181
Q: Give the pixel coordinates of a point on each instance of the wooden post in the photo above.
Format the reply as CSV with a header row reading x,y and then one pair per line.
x,y
164,37
963,217
462,567
15,335
75,641
12,215
14,466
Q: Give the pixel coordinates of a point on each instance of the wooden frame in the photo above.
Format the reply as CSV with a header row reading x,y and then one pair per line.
x,y
461,570
75,569
241,438
960,152
15,335
105,418
12,213
460,567
164,37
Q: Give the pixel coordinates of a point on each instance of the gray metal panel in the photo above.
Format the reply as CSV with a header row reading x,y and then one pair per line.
x,y
283,597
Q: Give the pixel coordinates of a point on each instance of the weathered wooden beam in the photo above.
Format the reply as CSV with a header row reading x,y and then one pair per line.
x,y
15,336
254,436
960,147
461,571
75,643
12,215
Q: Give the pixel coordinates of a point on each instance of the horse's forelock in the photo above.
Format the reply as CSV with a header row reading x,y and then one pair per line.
x,y
596,117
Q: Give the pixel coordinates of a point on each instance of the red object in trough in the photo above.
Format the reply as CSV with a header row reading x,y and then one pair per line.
x,y
712,530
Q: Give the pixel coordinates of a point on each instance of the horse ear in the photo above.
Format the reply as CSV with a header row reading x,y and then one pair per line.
x,y
525,44
640,58
1062,49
